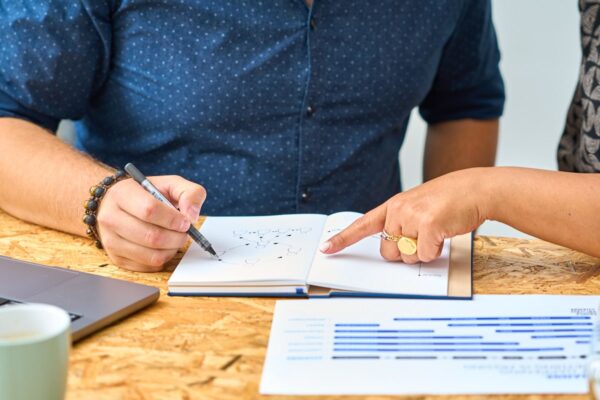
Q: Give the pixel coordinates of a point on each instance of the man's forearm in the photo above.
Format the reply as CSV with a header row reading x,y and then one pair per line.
x,y
42,179
560,207
461,144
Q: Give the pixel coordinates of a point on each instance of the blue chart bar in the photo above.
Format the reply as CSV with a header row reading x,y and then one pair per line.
x,y
469,357
356,324
527,324
408,337
426,343
493,318
355,357
582,342
543,330
436,350
416,357
300,358
384,331
559,336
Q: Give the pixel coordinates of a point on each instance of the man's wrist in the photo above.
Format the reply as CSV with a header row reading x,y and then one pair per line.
x,y
92,204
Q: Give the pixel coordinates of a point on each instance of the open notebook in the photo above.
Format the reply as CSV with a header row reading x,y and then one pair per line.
x,y
278,256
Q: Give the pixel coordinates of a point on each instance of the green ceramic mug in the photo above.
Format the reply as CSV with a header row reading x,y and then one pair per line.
x,y
34,352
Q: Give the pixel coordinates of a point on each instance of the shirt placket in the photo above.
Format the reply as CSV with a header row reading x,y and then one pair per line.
x,y
304,197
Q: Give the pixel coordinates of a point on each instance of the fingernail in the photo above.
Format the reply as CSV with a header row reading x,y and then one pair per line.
x,y
325,246
184,226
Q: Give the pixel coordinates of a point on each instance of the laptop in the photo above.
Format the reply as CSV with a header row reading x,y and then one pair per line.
x,y
92,301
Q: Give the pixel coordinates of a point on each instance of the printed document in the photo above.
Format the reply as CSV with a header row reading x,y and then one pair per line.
x,y
493,344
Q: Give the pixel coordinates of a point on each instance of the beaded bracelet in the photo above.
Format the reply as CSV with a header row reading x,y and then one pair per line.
x,y
92,204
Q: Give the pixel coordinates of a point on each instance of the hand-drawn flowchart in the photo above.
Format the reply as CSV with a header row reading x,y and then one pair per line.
x,y
263,246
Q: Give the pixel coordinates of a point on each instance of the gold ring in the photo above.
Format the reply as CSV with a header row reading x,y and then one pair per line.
x,y
407,245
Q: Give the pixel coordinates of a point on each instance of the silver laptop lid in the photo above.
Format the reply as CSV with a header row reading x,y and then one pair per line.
x,y
96,301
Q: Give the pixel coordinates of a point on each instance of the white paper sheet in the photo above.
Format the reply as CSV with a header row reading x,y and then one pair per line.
x,y
361,268
490,345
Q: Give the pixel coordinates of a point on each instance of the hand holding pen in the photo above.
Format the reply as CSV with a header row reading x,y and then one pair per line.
x,y
139,232
153,190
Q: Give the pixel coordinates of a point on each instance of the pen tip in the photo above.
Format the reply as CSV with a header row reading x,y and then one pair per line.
x,y
211,251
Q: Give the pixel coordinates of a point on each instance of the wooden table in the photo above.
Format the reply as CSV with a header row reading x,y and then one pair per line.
x,y
213,348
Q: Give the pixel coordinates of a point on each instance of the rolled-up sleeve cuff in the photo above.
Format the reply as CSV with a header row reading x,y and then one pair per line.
x,y
11,108
484,101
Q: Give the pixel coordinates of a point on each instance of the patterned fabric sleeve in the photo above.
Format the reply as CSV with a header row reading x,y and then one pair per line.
x,y
579,147
54,56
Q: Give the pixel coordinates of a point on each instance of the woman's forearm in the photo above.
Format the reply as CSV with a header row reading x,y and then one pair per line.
x,y
559,207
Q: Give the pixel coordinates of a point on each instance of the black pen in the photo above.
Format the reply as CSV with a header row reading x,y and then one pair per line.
x,y
150,188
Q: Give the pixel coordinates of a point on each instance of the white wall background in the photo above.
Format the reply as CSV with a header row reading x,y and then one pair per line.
x,y
539,41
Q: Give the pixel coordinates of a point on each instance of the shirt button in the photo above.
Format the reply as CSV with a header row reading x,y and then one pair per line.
x,y
305,196
313,24
310,110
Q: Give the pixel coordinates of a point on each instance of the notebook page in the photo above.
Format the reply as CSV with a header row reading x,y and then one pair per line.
x,y
361,268
252,250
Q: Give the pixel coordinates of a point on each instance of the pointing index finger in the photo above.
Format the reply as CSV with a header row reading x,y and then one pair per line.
x,y
367,225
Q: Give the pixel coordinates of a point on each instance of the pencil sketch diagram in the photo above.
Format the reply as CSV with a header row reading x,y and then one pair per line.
x,y
264,246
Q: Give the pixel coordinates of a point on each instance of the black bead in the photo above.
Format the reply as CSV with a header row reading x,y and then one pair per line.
x,y
98,191
90,220
119,174
91,205
98,244
109,180
89,232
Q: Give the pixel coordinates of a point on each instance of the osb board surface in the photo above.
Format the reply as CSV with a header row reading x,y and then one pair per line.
x,y
213,348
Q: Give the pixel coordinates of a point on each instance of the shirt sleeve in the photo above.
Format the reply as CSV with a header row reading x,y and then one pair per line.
x,y
53,58
468,83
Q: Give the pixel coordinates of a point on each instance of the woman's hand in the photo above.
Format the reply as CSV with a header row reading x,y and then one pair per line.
x,y
444,207
139,232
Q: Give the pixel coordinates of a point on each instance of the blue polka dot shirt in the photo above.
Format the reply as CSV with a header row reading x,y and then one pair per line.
x,y
272,106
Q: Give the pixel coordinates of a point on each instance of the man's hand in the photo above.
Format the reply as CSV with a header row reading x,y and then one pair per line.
x,y
139,232
447,206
